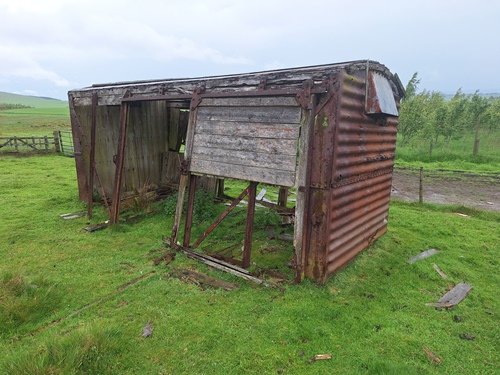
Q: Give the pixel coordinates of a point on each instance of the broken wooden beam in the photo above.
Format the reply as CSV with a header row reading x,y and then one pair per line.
x,y
203,279
224,266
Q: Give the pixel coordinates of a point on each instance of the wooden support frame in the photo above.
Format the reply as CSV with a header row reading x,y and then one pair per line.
x,y
120,160
247,249
221,217
90,181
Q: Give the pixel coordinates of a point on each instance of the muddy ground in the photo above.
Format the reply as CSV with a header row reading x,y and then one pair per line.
x,y
471,190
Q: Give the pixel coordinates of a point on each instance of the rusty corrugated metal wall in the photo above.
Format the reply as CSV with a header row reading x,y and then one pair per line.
x,y
351,178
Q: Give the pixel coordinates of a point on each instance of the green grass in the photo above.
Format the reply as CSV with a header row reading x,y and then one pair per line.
x,y
31,101
370,316
33,121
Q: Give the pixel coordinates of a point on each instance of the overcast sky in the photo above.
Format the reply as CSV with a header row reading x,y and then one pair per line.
x,y
48,47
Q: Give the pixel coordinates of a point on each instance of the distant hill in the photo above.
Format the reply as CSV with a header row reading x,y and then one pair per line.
x,y
32,101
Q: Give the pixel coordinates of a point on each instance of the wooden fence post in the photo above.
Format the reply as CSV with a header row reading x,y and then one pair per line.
x,y
56,141
421,187
476,139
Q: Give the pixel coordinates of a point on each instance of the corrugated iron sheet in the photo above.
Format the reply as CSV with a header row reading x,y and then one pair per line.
x,y
362,176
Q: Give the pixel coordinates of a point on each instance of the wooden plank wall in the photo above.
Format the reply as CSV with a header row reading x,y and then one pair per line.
x,y
253,138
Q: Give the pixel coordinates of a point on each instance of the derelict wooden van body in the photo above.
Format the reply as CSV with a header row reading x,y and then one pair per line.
x,y
328,131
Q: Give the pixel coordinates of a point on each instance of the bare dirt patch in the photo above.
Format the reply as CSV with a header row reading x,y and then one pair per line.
x,y
448,187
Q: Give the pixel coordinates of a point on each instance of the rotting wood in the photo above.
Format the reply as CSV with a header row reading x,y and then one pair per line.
x,y
245,158
319,357
206,279
91,304
423,255
264,101
250,144
432,357
247,247
248,129
271,114
227,267
90,181
439,271
168,257
96,227
241,172
453,297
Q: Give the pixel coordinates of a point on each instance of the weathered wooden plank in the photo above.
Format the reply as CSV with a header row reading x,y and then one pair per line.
x,y
248,158
280,101
263,145
241,172
249,129
457,294
281,115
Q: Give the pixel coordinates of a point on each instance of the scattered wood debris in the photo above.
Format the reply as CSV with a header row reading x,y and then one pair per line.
x,y
438,270
168,257
453,297
227,267
463,215
319,357
201,279
147,331
72,216
423,255
432,357
271,234
94,228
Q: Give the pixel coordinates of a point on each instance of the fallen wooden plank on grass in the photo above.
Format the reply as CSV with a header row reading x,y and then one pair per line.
x,y
72,216
224,266
453,297
319,357
438,270
94,228
423,255
207,280
432,357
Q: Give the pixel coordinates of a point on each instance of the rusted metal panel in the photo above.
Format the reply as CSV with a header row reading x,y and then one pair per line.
x,y
362,175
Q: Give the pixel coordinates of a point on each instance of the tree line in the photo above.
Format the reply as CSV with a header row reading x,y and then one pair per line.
x,y
428,115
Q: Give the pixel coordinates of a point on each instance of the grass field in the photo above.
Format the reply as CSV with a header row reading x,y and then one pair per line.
x,y
371,316
73,302
31,101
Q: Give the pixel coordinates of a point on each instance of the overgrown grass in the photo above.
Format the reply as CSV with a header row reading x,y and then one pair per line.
x,y
28,122
371,316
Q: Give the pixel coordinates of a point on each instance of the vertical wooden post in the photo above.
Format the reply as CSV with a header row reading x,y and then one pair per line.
x,y
16,147
93,125
283,196
476,139
190,209
247,249
56,141
220,187
120,161
421,186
